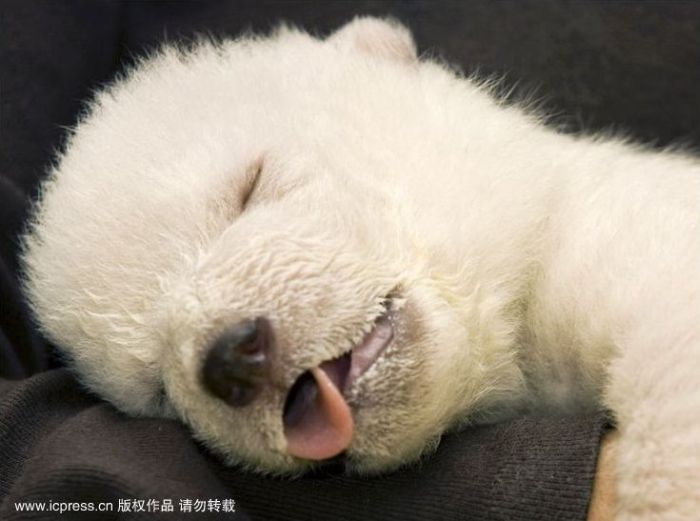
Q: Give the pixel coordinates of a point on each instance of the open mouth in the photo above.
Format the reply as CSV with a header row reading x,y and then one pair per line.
x,y
318,422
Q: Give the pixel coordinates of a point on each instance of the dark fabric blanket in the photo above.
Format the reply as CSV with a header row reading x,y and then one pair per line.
x,y
59,444
626,66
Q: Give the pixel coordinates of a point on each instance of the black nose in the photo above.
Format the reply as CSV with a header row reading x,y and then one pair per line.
x,y
237,365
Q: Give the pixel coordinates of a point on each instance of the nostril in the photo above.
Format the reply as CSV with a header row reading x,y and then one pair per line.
x,y
237,364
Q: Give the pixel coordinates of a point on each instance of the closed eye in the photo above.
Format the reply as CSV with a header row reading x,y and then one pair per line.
x,y
252,179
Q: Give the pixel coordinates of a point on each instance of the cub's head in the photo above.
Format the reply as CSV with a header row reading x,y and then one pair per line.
x,y
234,236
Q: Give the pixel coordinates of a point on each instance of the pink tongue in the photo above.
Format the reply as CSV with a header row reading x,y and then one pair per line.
x,y
326,426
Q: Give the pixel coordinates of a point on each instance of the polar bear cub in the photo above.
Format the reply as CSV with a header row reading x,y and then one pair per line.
x,y
304,248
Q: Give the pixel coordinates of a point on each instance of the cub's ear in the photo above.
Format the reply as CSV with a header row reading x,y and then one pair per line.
x,y
379,37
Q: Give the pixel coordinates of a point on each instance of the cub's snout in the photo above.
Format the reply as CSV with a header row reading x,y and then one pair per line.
x,y
238,363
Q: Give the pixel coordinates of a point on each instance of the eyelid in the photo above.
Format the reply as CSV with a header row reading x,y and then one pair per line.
x,y
253,174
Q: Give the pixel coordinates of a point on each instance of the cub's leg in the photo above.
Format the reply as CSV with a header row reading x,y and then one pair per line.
x,y
618,299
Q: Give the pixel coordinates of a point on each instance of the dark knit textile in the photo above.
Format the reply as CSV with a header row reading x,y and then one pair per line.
x,y
630,66
57,442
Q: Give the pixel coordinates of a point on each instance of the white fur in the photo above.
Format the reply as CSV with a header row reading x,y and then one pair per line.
x,y
536,271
